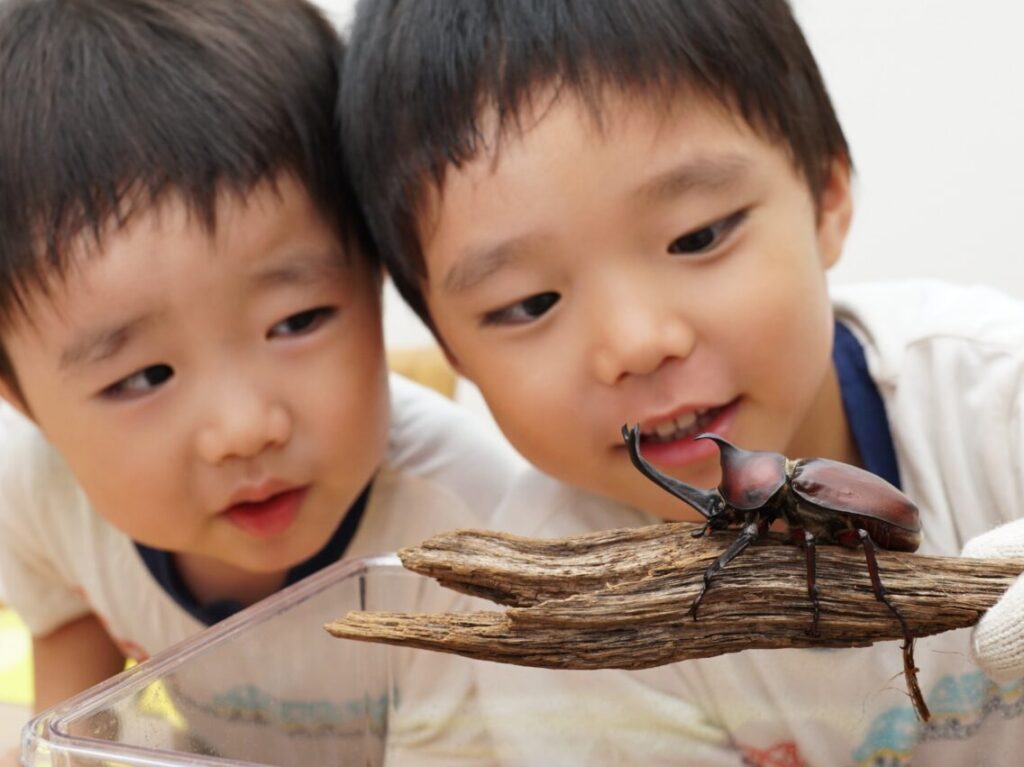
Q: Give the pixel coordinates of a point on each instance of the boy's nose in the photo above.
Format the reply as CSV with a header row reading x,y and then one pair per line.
x,y
635,337
243,426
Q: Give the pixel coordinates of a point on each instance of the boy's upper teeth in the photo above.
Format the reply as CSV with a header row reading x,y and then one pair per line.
x,y
686,420
674,426
666,429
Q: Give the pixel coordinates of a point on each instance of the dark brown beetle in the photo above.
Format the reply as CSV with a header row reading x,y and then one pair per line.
x,y
819,500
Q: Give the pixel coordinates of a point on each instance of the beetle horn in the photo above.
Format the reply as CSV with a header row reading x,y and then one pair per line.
x,y
749,478
707,502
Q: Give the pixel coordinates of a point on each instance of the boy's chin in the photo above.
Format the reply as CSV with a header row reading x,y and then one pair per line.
x,y
654,501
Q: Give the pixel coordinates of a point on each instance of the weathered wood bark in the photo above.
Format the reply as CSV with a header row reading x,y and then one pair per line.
x,y
620,599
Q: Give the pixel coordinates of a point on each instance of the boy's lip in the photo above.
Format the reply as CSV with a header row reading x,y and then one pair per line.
x,y
677,453
256,493
685,412
266,510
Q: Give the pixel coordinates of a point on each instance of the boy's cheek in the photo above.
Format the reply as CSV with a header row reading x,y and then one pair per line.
x,y
450,357
451,336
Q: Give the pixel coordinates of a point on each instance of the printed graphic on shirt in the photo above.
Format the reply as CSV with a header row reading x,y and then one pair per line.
x,y
785,754
959,705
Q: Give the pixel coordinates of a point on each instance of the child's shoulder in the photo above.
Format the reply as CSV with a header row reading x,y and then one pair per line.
x,y
436,443
42,505
947,361
429,430
924,308
899,319
29,466
48,530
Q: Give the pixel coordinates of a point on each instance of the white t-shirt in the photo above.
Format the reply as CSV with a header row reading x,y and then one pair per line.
x,y
283,697
948,363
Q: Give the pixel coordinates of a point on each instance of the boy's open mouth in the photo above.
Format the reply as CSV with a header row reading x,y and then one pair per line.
x,y
669,442
685,426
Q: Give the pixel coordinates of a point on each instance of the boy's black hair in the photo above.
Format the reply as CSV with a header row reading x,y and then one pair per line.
x,y
108,105
420,75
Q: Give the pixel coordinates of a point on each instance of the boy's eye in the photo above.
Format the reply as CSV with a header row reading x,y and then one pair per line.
x,y
302,323
707,237
522,312
140,383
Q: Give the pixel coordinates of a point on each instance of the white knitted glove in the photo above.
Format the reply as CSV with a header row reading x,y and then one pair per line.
x,y
998,639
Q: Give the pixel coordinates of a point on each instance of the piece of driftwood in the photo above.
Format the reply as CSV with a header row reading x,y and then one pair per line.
x,y
620,598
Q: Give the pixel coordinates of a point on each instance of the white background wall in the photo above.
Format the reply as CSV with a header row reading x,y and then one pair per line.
x,y
931,95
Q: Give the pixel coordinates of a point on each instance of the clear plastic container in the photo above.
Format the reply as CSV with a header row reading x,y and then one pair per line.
x,y
270,686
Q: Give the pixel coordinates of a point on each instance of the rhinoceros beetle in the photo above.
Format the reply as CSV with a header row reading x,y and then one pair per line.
x,y
820,500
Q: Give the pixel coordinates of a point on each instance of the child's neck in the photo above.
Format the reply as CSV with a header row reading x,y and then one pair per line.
x,y
210,581
825,432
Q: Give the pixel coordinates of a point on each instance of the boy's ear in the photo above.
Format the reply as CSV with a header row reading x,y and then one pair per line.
x,y
835,212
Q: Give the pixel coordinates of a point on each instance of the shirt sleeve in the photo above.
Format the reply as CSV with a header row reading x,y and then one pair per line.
x,y
35,487
432,437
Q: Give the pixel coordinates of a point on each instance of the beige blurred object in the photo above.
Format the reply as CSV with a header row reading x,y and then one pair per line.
x,y
425,365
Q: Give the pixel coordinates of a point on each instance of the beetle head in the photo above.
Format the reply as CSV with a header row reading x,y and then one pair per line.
x,y
749,478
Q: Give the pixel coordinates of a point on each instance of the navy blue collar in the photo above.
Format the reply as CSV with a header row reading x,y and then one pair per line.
x,y
161,565
865,411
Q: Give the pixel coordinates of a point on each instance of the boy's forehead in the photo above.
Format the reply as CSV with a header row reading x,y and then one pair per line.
x,y
556,120
600,114
127,242
66,264
65,256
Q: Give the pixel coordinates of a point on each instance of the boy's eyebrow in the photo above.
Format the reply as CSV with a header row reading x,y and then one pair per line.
x,y
102,344
479,264
308,270
706,173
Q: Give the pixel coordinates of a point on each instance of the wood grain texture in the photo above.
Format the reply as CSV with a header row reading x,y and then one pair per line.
x,y
620,598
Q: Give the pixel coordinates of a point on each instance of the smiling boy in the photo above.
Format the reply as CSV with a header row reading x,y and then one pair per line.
x,y
198,408
613,213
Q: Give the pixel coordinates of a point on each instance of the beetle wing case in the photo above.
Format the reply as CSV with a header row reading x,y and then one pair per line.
x,y
851,490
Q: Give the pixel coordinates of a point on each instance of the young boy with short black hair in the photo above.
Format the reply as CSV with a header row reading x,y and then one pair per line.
x,y
622,212
198,408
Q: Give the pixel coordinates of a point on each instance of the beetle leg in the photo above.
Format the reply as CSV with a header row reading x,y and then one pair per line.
x,y
910,672
909,668
752,530
717,521
876,582
707,502
806,541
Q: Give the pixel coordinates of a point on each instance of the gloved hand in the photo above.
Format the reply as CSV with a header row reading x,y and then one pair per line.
x,y
998,639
